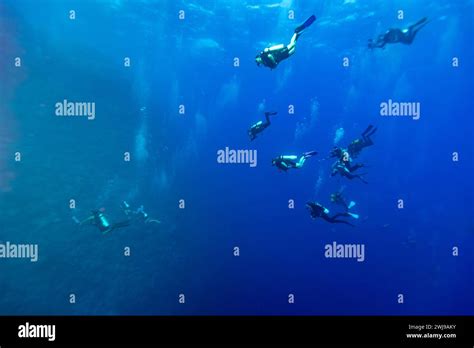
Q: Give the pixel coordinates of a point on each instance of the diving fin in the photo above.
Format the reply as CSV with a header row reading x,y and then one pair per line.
x,y
310,153
351,204
355,216
306,24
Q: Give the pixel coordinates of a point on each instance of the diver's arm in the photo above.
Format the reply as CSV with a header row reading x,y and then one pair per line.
x,y
90,218
272,58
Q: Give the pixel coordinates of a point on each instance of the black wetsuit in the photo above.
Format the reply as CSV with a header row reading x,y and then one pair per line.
x,y
103,224
260,126
357,145
317,210
395,35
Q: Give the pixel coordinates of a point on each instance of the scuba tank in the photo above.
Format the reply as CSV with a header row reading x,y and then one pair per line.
x,y
101,221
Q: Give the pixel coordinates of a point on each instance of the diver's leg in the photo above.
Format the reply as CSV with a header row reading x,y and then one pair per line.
x,y
369,128
374,129
366,135
292,45
120,224
293,40
415,28
367,142
267,118
108,230
341,214
351,176
418,25
342,222
359,176
300,163
334,220
90,219
354,167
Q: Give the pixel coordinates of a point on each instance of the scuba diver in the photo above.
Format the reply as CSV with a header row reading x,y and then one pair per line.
x,y
98,219
341,168
317,210
260,126
357,145
338,198
344,157
139,214
286,162
395,35
272,56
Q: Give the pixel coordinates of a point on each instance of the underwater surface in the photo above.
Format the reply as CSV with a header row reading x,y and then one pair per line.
x,y
175,82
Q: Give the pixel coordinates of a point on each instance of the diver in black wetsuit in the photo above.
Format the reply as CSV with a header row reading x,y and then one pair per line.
x,y
357,145
286,162
317,210
342,168
338,198
344,157
260,126
395,35
98,219
272,56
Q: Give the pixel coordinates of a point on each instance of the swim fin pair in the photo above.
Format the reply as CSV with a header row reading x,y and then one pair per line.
x,y
310,154
306,24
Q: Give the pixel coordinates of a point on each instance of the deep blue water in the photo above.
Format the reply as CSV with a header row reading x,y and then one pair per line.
x,y
189,62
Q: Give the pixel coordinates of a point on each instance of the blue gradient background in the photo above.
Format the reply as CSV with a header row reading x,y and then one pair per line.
x,y
190,62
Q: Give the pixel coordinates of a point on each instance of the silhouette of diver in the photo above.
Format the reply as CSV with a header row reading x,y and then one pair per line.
x,y
289,161
99,220
396,35
260,126
318,211
356,146
272,56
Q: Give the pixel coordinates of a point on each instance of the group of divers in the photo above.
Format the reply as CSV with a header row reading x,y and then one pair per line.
x,y
270,57
132,216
